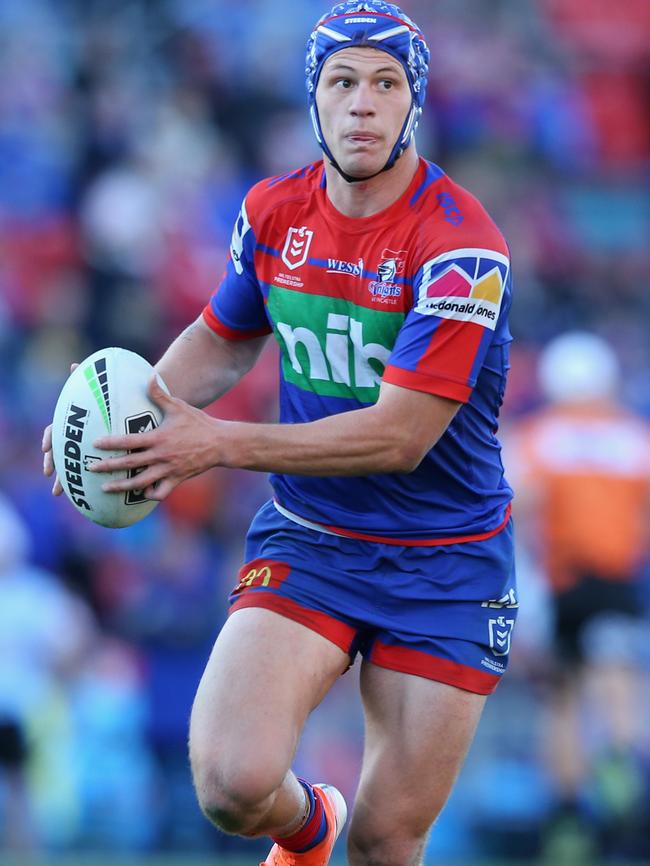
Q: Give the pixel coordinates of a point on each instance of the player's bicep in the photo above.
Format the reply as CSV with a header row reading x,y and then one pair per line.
x,y
241,354
423,417
200,365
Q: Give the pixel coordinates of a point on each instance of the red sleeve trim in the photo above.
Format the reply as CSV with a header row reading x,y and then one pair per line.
x,y
429,384
231,333
421,664
339,633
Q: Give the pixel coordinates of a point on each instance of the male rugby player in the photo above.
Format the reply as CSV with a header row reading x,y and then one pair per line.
x,y
387,287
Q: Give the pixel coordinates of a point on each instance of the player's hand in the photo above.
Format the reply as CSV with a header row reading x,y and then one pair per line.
x,y
185,444
48,459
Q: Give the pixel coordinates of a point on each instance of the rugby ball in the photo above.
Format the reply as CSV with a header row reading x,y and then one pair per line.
x,y
106,394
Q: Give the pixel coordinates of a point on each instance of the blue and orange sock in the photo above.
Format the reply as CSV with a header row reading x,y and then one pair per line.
x,y
313,831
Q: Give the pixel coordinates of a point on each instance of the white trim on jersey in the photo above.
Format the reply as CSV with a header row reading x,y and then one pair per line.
x,y
301,520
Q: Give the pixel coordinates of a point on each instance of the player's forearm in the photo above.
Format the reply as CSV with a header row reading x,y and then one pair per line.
x,y
360,442
199,366
391,436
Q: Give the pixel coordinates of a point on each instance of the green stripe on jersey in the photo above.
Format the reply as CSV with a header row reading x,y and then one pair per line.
x,y
331,346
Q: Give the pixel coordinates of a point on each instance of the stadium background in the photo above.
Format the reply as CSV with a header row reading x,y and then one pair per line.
x,y
129,132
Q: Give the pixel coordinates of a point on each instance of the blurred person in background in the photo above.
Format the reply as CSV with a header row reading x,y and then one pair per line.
x,y
582,469
388,288
15,814
44,631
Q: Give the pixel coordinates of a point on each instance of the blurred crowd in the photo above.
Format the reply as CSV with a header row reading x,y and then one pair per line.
x,y
129,132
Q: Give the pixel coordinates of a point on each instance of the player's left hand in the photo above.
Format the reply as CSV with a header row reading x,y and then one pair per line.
x,y
185,444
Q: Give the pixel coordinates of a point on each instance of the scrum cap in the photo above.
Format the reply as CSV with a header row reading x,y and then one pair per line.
x,y
372,24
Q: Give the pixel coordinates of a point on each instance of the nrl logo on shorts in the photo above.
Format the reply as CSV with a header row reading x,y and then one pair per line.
x,y
500,631
296,247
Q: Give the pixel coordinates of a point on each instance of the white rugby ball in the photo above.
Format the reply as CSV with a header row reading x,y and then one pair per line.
x,y
106,394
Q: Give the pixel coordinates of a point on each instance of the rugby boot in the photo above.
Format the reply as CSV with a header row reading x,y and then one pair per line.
x,y
336,813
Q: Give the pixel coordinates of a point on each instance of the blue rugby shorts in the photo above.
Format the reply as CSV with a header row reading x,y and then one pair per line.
x,y
443,612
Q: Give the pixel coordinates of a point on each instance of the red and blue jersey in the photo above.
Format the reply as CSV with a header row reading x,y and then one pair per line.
x,y
417,295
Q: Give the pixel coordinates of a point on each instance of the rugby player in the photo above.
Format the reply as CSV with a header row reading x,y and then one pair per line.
x,y
387,287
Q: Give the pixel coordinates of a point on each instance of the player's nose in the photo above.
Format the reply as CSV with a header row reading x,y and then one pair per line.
x,y
363,100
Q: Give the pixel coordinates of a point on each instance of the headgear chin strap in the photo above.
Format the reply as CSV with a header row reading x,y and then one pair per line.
x,y
372,24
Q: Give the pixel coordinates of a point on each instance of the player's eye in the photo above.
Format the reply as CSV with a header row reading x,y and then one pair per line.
x,y
343,83
386,84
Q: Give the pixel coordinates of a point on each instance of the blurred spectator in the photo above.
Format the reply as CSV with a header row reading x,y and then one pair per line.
x,y
111,762
581,466
44,632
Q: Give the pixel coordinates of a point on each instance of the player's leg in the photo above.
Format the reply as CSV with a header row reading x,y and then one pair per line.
x,y
418,732
441,646
265,675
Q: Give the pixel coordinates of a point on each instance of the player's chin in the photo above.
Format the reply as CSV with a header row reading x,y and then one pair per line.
x,y
363,164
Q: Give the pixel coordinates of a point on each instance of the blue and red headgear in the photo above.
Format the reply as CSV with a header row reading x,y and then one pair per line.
x,y
373,24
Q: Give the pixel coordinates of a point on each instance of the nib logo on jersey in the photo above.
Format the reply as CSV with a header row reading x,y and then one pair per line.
x,y
331,346
466,285
385,290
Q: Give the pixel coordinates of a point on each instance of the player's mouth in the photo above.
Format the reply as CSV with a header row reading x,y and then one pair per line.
x,y
362,138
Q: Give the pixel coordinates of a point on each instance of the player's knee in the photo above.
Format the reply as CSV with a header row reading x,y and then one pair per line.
x,y
235,799
235,782
235,804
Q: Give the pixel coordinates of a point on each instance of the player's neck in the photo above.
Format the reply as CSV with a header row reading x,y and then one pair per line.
x,y
368,197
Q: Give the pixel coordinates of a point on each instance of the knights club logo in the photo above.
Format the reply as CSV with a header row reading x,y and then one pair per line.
x,y
296,247
384,289
392,264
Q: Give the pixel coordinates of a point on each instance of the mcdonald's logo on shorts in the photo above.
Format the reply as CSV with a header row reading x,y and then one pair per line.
x,y
261,574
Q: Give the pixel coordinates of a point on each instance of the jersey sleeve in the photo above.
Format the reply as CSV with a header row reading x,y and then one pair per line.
x,y
236,309
460,305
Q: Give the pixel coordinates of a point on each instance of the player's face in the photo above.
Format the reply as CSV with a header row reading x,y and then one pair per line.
x,y
363,98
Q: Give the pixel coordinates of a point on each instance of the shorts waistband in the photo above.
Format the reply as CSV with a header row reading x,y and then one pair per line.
x,y
380,539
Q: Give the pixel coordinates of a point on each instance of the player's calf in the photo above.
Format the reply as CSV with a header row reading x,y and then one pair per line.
x,y
396,849
390,835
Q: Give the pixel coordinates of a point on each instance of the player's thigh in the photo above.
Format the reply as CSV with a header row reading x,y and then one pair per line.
x,y
264,676
418,732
